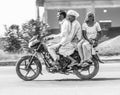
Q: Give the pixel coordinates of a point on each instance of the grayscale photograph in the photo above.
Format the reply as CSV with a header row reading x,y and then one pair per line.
x,y
60,47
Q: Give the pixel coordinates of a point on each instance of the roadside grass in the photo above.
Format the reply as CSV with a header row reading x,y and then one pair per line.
x,y
110,47
7,59
4,56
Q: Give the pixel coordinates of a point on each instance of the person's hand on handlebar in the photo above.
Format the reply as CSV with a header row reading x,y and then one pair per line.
x,y
57,49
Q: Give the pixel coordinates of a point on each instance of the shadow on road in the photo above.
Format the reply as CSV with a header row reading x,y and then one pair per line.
x,y
104,79
95,79
72,82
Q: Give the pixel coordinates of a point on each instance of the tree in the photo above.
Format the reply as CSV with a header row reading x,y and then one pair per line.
x,y
13,44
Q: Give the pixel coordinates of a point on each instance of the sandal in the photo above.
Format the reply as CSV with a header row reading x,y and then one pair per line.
x,y
72,64
84,63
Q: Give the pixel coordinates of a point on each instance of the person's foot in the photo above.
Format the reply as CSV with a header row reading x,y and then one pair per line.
x,y
55,65
84,63
81,62
53,69
89,60
61,72
72,64
58,66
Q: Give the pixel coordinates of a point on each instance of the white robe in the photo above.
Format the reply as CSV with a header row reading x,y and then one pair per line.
x,y
65,30
71,40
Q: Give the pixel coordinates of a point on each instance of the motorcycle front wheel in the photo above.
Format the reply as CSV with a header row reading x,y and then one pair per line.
x,y
26,72
88,72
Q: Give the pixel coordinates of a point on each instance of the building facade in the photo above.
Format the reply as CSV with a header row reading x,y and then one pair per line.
x,y
104,10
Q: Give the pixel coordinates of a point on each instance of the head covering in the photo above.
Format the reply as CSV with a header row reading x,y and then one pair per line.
x,y
87,15
73,13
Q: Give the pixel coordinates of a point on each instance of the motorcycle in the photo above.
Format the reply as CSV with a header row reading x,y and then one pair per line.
x,y
29,67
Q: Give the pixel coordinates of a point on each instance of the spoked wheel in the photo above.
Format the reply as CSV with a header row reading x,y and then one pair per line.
x,y
88,72
26,72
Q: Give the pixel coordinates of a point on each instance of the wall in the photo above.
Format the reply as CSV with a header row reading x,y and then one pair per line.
x,y
52,17
111,14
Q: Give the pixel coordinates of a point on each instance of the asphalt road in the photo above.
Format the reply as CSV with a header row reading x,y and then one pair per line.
x,y
107,82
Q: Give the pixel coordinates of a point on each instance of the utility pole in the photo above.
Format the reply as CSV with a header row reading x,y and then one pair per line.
x,y
91,8
38,4
38,14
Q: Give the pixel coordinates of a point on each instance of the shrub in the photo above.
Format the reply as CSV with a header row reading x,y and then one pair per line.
x,y
29,29
17,39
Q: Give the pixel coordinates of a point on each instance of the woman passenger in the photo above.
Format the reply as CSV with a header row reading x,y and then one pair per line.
x,y
91,31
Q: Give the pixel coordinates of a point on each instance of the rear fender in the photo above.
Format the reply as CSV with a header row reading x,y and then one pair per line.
x,y
96,57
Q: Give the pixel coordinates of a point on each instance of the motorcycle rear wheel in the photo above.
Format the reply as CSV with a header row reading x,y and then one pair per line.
x,y
90,75
23,72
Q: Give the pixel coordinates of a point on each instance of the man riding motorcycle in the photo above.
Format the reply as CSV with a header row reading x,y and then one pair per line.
x,y
70,29
65,28
74,36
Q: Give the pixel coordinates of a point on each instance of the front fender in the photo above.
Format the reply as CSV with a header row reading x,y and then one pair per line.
x,y
38,62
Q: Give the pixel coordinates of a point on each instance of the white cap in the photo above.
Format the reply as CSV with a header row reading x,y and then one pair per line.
x,y
74,13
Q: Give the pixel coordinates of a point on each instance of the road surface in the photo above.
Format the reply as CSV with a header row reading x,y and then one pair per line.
x,y
107,82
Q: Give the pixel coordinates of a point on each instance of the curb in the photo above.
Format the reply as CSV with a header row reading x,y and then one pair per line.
x,y
8,63
13,63
111,60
